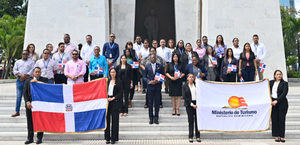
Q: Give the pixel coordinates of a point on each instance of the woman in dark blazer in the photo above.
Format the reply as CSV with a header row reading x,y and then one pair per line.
x,y
114,95
279,89
196,68
228,75
208,64
247,65
124,73
186,57
189,96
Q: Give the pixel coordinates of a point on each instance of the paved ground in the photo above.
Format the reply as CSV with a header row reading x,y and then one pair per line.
x,y
164,142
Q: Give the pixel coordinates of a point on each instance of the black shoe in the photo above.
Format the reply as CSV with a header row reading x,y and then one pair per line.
x,y
28,141
39,141
113,142
156,121
166,91
198,140
161,106
191,140
277,140
283,141
107,142
144,91
145,106
151,121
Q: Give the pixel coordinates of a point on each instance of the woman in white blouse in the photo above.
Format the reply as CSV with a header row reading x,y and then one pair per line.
x,y
279,89
114,96
189,95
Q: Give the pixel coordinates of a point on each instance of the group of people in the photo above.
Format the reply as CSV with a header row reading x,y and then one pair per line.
x,y
137,70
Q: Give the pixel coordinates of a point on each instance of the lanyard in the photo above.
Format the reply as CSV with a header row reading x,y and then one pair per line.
x,y
46,66
111,46
180,51
61,58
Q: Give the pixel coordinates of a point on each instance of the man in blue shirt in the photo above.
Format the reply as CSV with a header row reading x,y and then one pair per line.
x,y
111,50
98,65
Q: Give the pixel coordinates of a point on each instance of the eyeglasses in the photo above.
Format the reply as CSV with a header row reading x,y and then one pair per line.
x,y
46,53
74,54
25,54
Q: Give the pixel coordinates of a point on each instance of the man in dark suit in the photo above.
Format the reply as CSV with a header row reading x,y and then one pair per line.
x,y
27,97
153,88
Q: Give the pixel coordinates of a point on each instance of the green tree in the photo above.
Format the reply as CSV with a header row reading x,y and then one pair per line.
x,y
11,40
13,7
291,32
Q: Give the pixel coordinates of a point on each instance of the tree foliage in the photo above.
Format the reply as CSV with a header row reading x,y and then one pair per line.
x,y
13,7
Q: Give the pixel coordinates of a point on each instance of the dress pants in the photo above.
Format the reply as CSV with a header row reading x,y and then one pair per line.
x,y
278,120
231,77
86,75
219,62
248,74
112,129
60,79
30,126
192,119
125,94
154,94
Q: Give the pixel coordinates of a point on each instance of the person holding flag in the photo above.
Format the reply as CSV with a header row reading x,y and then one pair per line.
x,y
61,58
229,67
210,64
98,66
247,64
153,88
175,73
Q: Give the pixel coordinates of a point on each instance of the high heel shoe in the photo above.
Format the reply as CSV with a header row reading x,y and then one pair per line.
x,y
198,140
191,140
177,112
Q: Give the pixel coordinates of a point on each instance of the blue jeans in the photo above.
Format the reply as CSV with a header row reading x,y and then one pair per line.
x,y
20,86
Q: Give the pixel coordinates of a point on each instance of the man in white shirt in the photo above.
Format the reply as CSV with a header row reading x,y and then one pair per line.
x,y
23,68
47,65
166,54
86,53
138,45
61,58
236,48
145,51
260,52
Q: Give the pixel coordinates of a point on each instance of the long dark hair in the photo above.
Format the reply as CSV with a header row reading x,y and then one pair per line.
x,y
130,55
109,76
213,50
227,55
121,59
244,50
31,44
129,43
173,58
222,42
275,74
177,46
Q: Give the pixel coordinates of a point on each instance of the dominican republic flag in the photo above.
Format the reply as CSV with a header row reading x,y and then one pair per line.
x,y
231,67
159,77
242,80
98,70
177,73
69,108
214,61
262,67
134,64
62,64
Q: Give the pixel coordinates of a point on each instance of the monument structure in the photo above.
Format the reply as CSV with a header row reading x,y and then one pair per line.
x,y
188,20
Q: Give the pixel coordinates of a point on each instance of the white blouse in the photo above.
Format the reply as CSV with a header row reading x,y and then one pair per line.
x,y
193,93
274,89
111,89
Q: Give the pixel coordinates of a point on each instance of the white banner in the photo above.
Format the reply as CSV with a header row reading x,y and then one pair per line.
x,y
233,107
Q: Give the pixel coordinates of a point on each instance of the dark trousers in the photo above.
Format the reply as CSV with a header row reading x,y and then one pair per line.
x,y
231,77
153,95
93,77
278,120
30,126
192,119
131,93
125,94
219,62
144,82
112,130
60,79
86,75
248,74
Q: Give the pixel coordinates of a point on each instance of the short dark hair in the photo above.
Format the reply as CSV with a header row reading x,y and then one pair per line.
x,y
37,68
67,34
89,36
75,50
48,45
234,39
204,37
255,35
46,49
61,43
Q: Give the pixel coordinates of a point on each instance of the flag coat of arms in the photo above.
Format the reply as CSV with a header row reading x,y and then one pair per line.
x,y
159,77
176,72
262,67
69,108
232,67
134,64
62,64
98,70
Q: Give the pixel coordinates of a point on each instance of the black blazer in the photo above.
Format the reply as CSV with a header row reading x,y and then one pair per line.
x,y
128,74
177,51
150,76
132,53
186,94
282,90
224,66
117,93
26,89
184,58
171,70
245,61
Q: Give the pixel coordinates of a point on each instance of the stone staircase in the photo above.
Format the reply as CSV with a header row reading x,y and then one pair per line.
x,y
136,126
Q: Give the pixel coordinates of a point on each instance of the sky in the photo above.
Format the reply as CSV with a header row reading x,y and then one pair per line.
x,y
297,4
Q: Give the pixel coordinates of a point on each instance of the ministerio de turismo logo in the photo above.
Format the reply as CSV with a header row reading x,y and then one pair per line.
x,y
236,102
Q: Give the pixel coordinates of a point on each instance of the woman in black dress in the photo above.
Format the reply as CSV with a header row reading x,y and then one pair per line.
x,y
175,87
111,132
279,89
227,74
124,72
189,96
